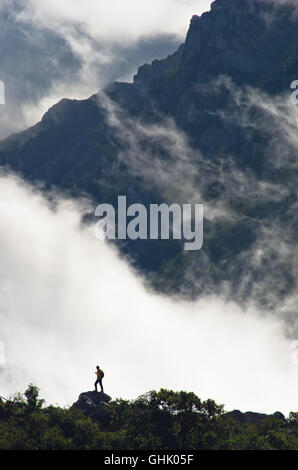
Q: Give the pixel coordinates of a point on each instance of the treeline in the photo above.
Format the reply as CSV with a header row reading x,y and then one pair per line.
x,y
163,420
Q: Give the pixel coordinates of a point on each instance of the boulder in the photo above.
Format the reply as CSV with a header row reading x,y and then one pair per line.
x,y
93,403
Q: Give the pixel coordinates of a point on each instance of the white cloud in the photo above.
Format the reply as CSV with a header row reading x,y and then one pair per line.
x,y
118,20
73,48
68,303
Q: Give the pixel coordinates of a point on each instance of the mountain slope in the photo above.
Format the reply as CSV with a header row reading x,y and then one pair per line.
x,y
211,123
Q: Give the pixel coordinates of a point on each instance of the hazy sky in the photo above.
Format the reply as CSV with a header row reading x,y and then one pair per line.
x,y
53,49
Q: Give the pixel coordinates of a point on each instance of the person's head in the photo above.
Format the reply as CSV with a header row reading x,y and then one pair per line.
x,y
97,367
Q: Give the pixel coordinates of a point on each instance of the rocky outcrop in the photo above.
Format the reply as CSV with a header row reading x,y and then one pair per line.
x,y
253,418
93,403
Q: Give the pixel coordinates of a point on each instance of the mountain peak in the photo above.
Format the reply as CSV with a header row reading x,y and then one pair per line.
x,y
236,37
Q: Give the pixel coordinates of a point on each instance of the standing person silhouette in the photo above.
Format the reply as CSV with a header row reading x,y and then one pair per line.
x,y
100,375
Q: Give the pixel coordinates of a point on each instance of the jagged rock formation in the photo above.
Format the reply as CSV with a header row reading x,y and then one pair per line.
x,y
93,403
251,417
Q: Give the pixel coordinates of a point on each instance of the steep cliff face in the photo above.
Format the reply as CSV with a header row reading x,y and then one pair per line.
x,y
231,38
211,123
249,41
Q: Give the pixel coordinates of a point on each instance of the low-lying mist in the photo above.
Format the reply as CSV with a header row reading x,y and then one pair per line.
x,y
69,303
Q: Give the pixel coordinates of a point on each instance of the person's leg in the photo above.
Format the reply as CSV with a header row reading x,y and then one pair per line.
x,y
100,383
95,385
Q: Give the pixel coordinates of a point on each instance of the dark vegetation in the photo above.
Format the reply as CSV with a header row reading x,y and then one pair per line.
x,y
163,420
